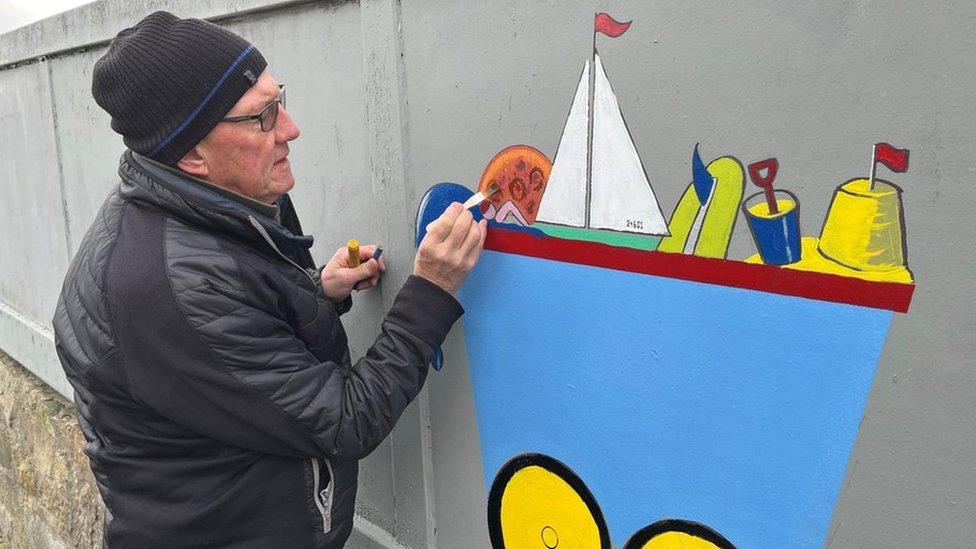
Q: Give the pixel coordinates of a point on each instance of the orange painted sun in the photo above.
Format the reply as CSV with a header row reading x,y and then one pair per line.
x,y
521,172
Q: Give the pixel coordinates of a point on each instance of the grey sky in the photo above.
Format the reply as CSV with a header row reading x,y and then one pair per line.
x,y
17,13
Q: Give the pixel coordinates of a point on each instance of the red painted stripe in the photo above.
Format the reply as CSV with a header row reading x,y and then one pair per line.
x,y
737,274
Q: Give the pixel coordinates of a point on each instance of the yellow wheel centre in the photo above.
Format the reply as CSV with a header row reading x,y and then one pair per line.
x,y
541,510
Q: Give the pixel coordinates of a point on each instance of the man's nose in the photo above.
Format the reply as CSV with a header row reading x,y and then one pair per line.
x,y
286,129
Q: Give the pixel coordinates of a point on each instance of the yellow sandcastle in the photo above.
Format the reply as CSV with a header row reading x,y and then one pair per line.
x,y
862,237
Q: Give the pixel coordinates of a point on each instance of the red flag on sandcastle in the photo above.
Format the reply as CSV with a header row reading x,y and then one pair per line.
x,y
895,159
610,26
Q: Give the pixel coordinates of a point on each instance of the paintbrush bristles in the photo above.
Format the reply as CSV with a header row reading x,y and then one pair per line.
x,y
480,196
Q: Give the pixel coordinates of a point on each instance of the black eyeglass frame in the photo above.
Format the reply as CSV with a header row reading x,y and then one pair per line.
x,y
268,115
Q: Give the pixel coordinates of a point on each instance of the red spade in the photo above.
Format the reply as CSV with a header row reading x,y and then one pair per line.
x,y
765,182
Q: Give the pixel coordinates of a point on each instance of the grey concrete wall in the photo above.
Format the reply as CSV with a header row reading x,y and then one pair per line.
x,y
394,96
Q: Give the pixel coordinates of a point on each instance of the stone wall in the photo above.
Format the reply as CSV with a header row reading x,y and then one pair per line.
x,y
47,494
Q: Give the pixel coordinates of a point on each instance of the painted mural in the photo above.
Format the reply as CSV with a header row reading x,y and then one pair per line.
x,y
635,387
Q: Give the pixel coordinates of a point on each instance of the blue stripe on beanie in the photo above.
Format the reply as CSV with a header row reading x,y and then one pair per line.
x,y
206,100
167,82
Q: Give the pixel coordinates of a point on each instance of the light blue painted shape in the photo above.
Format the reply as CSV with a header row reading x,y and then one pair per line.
x,y
672,399
437,361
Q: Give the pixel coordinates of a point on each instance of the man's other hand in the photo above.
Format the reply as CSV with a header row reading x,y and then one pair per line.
x,y
339,279
451,248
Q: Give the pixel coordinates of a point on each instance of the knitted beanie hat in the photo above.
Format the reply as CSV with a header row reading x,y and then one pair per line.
x,y
167,82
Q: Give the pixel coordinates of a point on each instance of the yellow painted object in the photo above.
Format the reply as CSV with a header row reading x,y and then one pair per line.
x,y
813,260
862,237
677,540
761,209
353,247
864,228
541,510
720,216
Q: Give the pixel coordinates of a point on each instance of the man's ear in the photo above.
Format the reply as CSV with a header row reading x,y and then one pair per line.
x,y
194,163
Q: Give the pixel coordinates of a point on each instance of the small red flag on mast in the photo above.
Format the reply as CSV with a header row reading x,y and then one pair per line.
x,y
894,159
609,26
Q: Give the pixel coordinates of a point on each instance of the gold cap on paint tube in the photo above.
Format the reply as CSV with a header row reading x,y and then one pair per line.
x,y
353,246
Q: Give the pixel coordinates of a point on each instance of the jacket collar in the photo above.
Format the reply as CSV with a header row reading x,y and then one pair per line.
x,y
182,197
268,210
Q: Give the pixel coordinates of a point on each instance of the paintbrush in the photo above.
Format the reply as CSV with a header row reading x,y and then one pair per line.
x,y
481,196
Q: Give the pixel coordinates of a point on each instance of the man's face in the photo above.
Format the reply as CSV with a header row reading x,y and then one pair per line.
x,y
241,157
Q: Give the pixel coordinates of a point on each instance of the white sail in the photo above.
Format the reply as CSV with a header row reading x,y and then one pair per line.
x,y
564,202
621,197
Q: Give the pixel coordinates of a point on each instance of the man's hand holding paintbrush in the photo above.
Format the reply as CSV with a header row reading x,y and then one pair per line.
x,y
453,244
446,255
451,248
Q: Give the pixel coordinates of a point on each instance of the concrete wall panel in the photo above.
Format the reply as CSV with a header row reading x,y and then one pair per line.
x,y
97,22
90,150
34,247
459,490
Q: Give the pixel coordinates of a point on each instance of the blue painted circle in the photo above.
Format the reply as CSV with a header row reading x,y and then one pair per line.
x,y
436,201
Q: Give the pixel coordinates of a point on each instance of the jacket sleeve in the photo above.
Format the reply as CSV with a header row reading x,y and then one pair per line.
x,y
210,358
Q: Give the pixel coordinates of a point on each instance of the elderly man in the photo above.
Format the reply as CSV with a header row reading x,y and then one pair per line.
x,y
211,371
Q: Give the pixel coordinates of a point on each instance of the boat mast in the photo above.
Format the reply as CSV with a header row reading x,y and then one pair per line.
x,y
589,127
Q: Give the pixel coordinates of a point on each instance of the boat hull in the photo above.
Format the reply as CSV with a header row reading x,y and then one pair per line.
x,y
669,398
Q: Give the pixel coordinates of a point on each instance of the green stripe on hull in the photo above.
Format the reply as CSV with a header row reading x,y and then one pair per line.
x,y
613,238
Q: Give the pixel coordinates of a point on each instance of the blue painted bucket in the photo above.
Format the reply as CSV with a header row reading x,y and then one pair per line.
x,y
777,235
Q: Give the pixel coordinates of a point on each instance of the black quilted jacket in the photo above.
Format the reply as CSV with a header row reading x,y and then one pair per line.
x,y
212,376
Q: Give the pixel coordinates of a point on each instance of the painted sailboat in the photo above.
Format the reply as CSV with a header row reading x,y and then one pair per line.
x,y
598,189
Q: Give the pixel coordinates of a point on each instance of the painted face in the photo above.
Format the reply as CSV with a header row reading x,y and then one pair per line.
x,y
241,157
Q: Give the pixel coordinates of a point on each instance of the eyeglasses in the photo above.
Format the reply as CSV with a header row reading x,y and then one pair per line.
x,y
268,115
